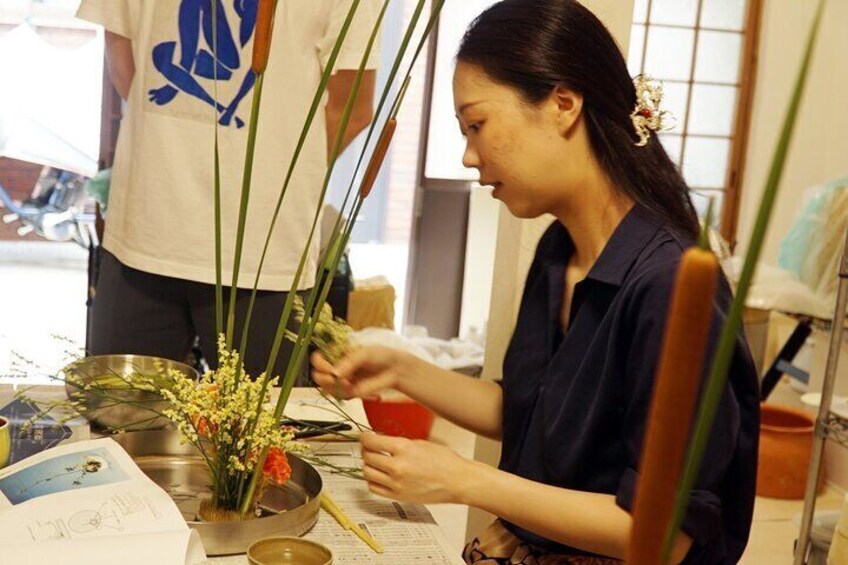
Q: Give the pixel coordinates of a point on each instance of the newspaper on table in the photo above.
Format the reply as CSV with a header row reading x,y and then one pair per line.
x,y
407,531
88,502
307,404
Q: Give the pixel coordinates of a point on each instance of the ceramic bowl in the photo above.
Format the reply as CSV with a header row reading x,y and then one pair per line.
x,y
284,550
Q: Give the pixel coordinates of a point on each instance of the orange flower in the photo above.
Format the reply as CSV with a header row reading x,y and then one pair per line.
x,y
211,389
201,424
277,467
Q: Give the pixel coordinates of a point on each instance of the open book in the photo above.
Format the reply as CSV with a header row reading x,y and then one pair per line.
x,y
88,502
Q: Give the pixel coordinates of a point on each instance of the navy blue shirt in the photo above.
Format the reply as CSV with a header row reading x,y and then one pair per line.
x,y
576,404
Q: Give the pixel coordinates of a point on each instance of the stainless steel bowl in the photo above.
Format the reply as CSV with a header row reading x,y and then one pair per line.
x,y
113,405
289,510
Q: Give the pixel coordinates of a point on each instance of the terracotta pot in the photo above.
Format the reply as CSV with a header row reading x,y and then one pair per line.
x,y
786,444
404,418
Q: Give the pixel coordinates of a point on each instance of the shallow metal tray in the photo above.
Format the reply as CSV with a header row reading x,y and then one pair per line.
x,y
290,510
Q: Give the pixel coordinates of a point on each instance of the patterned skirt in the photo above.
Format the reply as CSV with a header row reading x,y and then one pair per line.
x,y
498,546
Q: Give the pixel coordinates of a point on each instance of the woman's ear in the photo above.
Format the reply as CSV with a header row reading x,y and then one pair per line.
x,y
568,107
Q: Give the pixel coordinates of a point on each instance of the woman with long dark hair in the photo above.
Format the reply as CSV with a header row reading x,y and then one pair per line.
x,y
553,123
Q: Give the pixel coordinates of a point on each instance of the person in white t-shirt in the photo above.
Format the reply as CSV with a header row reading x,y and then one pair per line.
x,y
155,286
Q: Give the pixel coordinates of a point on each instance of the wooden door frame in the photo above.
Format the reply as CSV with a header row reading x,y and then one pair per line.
x,y
742,128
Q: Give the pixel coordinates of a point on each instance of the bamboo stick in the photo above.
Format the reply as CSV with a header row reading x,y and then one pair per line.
x,y
345,522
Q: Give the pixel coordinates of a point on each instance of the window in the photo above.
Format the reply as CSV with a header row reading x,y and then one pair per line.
x,y
702,50
50,100
445,144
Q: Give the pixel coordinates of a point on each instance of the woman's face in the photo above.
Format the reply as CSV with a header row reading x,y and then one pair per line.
x,y
519,149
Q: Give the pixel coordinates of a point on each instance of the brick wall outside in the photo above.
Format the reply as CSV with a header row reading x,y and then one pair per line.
x,y
18,178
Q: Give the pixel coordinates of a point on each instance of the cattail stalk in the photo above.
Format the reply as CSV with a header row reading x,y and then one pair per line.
x,y
672,404
262,35
316,298
720,365
377,158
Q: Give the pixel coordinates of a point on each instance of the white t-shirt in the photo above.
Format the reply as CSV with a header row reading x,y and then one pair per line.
x,y
161,203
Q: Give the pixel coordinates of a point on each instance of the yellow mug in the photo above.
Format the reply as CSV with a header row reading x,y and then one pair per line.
x,y
5,442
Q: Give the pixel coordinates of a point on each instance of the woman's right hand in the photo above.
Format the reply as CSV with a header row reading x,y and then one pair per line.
x,y
364,372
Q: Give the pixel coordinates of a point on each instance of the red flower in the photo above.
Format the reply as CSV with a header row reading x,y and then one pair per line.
x,y
277,467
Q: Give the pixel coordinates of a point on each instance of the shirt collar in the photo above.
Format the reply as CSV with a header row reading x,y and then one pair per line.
x,y
623,248
628,240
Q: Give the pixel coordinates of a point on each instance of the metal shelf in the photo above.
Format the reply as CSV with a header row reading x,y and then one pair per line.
x,y
828,424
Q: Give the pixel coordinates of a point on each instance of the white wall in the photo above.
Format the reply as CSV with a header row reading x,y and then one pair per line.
x,y
516,245
819,151
481,242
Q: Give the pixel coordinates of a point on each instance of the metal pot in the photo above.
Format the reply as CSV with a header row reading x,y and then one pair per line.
x,y
124,408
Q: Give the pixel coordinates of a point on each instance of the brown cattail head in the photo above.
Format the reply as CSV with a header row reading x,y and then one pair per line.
x,y
377,159
262,35
673,402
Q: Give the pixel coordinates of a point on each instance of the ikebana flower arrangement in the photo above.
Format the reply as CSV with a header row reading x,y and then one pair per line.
x,y
218,416
667,477
250,449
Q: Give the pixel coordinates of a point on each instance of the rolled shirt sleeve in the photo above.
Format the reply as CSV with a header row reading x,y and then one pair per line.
x,y
113,15
647,318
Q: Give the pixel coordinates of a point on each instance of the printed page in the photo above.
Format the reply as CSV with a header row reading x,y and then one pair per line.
x,y
137,549
82,491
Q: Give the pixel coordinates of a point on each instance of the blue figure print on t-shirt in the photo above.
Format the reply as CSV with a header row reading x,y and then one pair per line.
x,y
197,59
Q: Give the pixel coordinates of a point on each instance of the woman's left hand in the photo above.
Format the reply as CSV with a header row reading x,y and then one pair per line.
x,y
413,470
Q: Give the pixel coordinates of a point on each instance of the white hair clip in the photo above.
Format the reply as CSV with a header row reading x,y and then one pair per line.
x,y
647,116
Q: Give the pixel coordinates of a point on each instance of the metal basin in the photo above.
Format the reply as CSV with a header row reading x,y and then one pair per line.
x,y
114,405
290,510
